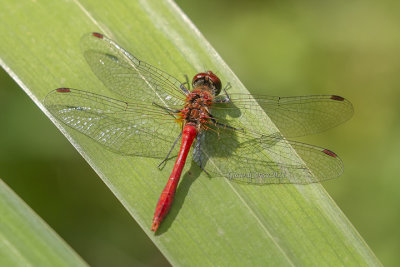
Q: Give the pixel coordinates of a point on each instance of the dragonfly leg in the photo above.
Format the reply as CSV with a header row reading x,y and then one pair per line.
x,y
227,87
206,172
172,148
226,98
167,109
182,86
224,126
198,143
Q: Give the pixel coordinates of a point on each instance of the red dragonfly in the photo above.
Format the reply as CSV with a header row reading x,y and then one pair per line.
x,y
229,132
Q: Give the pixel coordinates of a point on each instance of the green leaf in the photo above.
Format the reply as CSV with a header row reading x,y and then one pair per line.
x,y
212,221
25,240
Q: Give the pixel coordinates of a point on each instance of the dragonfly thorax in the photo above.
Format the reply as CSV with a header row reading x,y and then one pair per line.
x,y
197,107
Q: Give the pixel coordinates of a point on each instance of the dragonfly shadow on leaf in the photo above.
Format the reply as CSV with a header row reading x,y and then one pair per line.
x,y
220,139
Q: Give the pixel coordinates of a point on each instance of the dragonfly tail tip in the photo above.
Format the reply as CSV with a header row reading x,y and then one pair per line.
x,y
154,226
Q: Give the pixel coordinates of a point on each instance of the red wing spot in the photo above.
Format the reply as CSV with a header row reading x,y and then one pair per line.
x,y
329,153
98,35
336,97
63,90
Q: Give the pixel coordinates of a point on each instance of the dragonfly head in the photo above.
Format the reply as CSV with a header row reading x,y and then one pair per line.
x,y
208,79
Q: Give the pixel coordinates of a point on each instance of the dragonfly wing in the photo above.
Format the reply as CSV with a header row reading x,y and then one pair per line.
x,y
126,128
128,76
264,159
298,115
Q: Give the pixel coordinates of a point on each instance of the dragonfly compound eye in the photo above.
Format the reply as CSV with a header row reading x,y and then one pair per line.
x,y
209,79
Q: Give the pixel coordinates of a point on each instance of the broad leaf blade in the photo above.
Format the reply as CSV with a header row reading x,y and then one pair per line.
x,y
212,222
25,240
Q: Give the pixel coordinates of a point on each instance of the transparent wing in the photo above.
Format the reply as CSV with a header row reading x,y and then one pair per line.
x,y
128,76
128,128
142,123
298,115
263,159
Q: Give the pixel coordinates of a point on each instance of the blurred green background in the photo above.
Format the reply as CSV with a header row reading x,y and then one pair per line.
x,y
349,48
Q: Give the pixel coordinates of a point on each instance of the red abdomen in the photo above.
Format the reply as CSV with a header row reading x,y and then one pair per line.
x,y
167,195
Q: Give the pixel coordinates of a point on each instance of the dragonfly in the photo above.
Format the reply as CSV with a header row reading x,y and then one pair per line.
x,y
226,134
